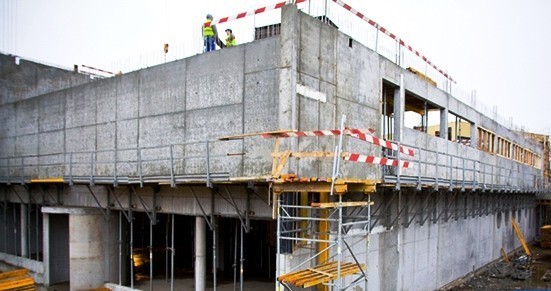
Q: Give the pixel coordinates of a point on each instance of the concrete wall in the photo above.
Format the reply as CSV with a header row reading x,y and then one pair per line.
x,y
21,79
182,103
131,125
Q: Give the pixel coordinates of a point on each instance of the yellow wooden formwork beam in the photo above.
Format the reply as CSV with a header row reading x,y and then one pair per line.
x,y
343,204
323,230
320,274
13,273
48,180
309,187
520,237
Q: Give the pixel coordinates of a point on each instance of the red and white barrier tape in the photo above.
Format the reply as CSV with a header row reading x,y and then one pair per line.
x,y
302,133
384,143
96,69
254,12
353,132
375,160
391,35
347,7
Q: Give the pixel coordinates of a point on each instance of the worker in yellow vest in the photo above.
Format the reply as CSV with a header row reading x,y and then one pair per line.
x,y
209,34
230,38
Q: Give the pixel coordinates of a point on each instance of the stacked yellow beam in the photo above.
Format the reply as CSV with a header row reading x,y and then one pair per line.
x,y
319,274
16,280
545,235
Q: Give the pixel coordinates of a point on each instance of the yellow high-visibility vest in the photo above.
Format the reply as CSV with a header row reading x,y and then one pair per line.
x,y
207,29
230,41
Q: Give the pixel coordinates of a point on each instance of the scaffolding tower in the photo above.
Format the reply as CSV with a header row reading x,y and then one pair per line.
x,y
329,235
324,232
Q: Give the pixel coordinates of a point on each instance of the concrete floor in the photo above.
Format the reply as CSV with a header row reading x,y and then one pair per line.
x,y
179,284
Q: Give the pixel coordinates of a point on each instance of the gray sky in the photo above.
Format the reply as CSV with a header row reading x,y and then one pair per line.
x,y
500,48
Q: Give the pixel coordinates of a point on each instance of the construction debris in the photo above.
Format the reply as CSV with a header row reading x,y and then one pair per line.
x,y
545,236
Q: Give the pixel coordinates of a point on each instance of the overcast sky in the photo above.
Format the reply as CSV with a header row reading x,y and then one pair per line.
x,y
500,48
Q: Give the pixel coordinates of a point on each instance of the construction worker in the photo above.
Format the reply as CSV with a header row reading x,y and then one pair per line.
x,y
209,34
230,38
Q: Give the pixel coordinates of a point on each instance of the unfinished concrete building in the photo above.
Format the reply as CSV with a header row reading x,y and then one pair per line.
x,y
302,172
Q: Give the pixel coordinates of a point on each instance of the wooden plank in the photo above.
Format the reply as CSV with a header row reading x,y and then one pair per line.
x,y
520,237
17,282
48,180
13,273
241,136
343,204
320,274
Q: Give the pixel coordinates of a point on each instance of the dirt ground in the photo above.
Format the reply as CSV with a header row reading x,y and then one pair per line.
x,y
521,273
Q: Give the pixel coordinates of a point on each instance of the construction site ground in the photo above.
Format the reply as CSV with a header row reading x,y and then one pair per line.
x,y
500,275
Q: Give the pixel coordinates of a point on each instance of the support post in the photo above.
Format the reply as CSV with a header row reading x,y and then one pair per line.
x,y
200,253
24,230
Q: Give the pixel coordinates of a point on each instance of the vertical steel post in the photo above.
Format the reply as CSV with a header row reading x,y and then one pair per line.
x,y
214,229
172,256
151,254
241,259
235,257
120,248
339,246
278,243
172,183
167,248
131,217
209,184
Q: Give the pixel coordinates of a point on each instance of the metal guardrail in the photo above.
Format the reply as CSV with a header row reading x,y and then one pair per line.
x,y
456,171
186,162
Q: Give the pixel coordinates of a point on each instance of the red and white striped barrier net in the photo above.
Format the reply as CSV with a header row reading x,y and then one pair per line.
x,y
353,132
254,12
391,35
347,7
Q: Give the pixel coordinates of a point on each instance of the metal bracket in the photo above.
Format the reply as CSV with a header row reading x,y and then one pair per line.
x,y
153,210
205,216
244,224
103,211
111,192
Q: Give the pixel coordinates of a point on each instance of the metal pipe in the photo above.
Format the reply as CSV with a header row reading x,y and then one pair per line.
x,y
339,246
278,243
172,257
241,261
131,217
235,257
214,230
5,204
120,248
151,255
166,248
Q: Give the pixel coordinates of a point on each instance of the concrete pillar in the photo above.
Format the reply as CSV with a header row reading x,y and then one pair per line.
x,y
46,247
288,66
24,230
200,253
474,141
444,123
399,107
86,236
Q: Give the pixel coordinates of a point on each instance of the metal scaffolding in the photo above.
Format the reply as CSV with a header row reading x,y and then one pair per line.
x,y
328,231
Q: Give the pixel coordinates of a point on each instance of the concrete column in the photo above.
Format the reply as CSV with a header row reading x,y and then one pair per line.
x,y
24,230
444,123
399,107
474,141
46,247
288,64
86,251
200,253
